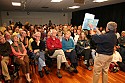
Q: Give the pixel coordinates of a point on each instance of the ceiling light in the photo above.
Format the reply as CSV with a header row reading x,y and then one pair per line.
x,y
74,7
16,4
99,0
56,0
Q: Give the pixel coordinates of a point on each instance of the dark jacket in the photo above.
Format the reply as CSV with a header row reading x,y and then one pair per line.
x,y
105,42
5,49
41,45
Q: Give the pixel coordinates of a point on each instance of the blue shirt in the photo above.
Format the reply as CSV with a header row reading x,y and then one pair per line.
x,y
67,44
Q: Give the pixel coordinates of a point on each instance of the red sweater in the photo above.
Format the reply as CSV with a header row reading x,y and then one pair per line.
x,y
53,44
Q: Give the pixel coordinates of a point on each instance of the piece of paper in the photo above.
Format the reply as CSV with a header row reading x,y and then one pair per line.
x,y
89,19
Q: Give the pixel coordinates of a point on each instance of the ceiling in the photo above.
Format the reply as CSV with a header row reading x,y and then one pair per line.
x,y
36,5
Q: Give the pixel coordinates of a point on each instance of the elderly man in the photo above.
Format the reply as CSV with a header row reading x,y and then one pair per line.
x,y
5,51
8,37
105,46
55,51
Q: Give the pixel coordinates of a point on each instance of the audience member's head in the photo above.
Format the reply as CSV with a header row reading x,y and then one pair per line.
x,y
80,27
17,29
10,31
2,39
37,36
123,33
59,33
67,34
82,36
7,36
54,33
23,34
15,38
48,34
78,31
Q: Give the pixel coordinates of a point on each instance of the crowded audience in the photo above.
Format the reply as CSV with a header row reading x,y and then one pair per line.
x,y
64,43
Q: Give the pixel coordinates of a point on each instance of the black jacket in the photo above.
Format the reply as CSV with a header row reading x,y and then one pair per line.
x,y
5,49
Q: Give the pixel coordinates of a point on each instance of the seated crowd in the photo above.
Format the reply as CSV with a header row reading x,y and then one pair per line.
x,y
65,43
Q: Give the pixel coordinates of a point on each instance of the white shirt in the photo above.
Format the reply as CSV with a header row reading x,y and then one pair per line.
x,y
10,41
76,39
116,57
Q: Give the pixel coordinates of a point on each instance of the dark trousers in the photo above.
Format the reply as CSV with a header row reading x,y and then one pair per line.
x,y
72,57
86,53
121,65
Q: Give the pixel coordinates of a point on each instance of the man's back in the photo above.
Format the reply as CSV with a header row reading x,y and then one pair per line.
x,y
105,42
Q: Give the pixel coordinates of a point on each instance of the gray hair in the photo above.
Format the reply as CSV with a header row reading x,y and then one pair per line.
x,y
37,33
112,25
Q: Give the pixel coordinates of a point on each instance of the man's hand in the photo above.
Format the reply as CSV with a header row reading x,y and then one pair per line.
x,y
91,26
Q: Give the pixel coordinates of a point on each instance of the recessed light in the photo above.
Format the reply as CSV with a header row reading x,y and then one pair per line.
x,y
99,1
16,4
74,7
56,0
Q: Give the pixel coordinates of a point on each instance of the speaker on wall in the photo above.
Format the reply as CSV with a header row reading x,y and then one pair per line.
x,y
79,1
7,13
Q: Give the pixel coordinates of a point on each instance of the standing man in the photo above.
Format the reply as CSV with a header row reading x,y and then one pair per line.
x,y
105,44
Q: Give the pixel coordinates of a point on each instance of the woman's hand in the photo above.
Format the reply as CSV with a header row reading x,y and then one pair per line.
x,y
69,50
22,58
35,51
22,54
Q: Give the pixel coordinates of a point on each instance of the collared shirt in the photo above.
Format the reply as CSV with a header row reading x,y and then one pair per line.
x,y
105,42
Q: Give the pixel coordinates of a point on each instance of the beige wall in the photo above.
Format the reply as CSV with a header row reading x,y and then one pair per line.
x,y
37,17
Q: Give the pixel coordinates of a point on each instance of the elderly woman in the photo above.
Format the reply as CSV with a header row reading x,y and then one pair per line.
x,y
21,56
38,47
69,49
